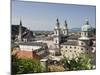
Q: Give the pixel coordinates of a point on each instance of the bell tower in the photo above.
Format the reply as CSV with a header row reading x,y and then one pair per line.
x,y
65,29
57,34
20,32
86,29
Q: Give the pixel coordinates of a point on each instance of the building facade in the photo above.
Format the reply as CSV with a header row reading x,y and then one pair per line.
x,y
71,46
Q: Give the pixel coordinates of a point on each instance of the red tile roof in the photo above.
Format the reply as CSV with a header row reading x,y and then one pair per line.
x,y
27,54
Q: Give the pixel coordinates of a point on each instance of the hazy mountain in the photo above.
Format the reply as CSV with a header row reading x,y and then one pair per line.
x,y
75,30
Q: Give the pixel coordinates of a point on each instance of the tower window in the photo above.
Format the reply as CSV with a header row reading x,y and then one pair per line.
x,y
74,47
70,47
81,43
79,33
56,32
85,33
66,46
56,41
81,48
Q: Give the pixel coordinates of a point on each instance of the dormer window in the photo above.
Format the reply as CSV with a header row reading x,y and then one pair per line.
x,y
81,48
56,32
81,43
74,47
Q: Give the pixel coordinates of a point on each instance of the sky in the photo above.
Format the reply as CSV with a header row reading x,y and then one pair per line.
x,y
42,16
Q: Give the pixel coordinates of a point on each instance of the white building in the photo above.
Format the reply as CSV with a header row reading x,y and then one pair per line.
x,y
38,48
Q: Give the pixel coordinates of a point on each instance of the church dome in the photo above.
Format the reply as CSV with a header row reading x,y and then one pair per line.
x,y
86,26
84,38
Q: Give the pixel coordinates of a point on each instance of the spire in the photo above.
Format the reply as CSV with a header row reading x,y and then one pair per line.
x,y
57,22
65,23
20,32
86,21
20,23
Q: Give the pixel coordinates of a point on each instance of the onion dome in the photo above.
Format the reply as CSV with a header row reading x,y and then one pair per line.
x,y
86,26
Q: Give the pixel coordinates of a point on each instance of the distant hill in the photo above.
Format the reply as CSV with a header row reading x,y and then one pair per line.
x,y
15,31
75,30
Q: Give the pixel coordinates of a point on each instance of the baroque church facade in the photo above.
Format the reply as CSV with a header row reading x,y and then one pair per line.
x,y
73,45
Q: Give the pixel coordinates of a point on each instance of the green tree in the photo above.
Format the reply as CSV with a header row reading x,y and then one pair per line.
x,y
83,62
24,65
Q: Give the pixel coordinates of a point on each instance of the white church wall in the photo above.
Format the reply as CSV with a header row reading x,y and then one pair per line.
x,y
93,49
50,43
72,51
84,43
29,48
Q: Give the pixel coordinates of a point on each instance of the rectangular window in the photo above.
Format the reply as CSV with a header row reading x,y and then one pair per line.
x,y
74,47
56,32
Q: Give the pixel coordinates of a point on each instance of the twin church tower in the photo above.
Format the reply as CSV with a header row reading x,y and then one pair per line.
x,y
62,33
59,33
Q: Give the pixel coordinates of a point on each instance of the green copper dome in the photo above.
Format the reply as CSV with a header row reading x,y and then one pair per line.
x,y
86,26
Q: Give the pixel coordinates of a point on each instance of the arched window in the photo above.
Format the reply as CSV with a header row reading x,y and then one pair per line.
x,y
81,43
70,47
81,48
56,32
56,41
74,47
85,33
92,48
81,34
